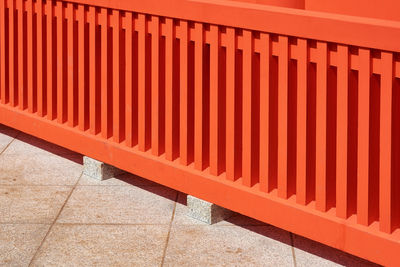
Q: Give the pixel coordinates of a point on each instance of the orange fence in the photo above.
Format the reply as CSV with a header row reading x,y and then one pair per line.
x,y
299,132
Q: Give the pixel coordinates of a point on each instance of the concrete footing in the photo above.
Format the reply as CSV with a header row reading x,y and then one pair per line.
x,y
205,211
99,170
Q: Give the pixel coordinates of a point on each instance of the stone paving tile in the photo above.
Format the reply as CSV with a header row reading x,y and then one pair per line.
x,y
127,179
7,134
19,242
181,216
119,204
28,144
103,245
39,169
31,204
204,245
311,253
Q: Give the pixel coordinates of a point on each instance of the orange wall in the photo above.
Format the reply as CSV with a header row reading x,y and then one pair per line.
x,y
382,9
282,3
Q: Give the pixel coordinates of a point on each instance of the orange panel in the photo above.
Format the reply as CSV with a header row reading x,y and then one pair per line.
x,y
271,120
3,52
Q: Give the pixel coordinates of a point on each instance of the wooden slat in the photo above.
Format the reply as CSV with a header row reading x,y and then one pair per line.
x,y
265,54
198,92
2,52
342,131
169,96
247,104
155,86
21,54
40,54
93,110
116,24
104,72
51,111
11,48
142,81
70,14
128,80
230,103
301,137
215,123
283,75
30,52
183,66
385,160
363,138
81,67
320,114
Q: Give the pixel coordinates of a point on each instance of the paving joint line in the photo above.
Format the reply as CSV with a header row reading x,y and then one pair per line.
x,y
54,222
169,231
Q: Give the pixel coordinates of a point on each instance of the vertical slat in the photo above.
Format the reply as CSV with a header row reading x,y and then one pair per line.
x,y
363,138
214,99
128,80
265,52
142,81
49,56
385,160
21,54
30,51
320,114
92,19
230,103
198,91
70,63
155,94
342,131
2,52
116,24
169,96
183,66
11,48
81,66
104,72
40,54
60,63
301,139
283,74
247,99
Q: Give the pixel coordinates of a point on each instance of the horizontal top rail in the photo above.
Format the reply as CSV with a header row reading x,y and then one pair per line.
x,y
351,30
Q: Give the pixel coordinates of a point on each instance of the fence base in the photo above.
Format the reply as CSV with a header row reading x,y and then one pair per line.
x,y
99,170
205,211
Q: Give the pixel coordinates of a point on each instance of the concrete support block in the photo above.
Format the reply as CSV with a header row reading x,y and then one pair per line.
x,y
205,211
99,170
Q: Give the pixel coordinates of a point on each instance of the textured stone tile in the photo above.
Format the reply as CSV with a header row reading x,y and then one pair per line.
x,y
31,204
6,136
311,253
204,245
28,144
181,216
119,204
19,242
120,179
103,245
38,169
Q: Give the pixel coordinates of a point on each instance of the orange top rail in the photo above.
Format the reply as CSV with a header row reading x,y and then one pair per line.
x,y
329,27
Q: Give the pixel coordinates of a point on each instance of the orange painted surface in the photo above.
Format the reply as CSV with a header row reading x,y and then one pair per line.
x,y
286,115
